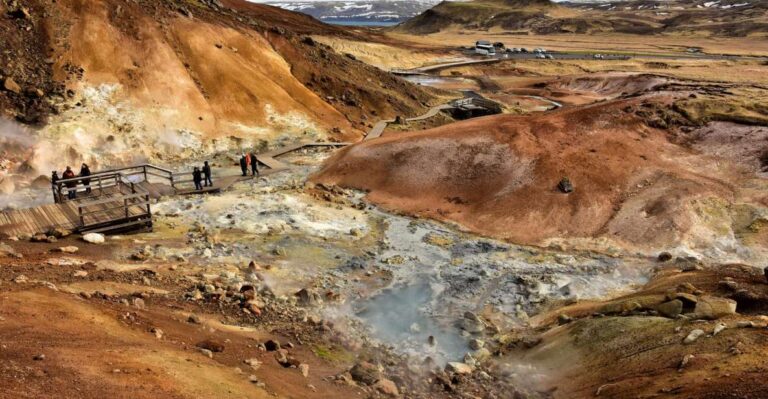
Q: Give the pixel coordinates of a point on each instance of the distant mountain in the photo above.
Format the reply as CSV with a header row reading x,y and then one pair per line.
x,y
356,12
700,17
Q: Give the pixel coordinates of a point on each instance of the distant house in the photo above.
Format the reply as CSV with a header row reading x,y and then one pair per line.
x,y
484,47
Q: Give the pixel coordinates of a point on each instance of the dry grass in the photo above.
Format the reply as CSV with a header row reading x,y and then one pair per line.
x,y
755,46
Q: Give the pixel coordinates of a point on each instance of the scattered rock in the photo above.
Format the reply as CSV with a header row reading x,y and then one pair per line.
x,y
68,249
304,369
59,232
693,336
43,238
476,344
565,186
80,274
11,85
158,332
139,303
211,345
206,352
718,329
39,357
387,387
664,257
94,238
564,319
194,319
20,279
254,363
365,373
458,368
670,309
684,362
306,297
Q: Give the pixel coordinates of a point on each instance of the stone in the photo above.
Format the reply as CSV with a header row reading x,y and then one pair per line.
x,y
476,344
670,309
565,186
158,332
304,369
685,361
59,232
664,257
272,345
281,355
306,297
713,308
355,232
10,85
20,279
194,319
387,387
481,354
564,319
70,249
365,373
718,329
80,274
39,357
139,303
253,362
211,345
94,238
693,336
458,368
206,352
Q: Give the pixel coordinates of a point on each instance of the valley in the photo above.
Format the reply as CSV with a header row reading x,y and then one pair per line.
x,y
427,222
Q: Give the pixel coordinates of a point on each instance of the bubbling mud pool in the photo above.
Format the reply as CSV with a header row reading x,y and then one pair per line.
x,y
421,287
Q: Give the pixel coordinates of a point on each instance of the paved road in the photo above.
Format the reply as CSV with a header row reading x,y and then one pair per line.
x,y
564,55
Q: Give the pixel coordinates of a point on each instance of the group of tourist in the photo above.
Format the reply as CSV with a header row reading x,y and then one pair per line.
x,y
249,161
202,177
71,182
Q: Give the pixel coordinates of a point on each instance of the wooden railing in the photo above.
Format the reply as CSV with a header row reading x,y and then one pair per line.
x,y
103,180
125,197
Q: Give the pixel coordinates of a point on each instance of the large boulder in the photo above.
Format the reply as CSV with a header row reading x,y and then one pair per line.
x,y
458,368
670,309
709,307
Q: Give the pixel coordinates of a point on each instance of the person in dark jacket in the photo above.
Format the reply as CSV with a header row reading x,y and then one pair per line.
x,y
254,165
85,171
197,177
244,165
55,179
71,185
207,174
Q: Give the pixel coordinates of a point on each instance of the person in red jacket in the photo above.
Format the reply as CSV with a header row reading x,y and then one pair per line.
x,y
71,191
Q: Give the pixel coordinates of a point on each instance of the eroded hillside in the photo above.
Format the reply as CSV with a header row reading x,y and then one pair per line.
x,y
153,80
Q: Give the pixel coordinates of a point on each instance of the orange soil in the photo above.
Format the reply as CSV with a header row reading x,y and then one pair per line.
x,y
498,175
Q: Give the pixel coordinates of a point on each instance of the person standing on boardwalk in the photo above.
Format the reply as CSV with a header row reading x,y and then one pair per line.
x,y
71,190
244,165
254,165
54,179
197,177
85,171
207,174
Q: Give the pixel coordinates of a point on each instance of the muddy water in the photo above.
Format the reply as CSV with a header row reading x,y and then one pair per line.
x,y
405,279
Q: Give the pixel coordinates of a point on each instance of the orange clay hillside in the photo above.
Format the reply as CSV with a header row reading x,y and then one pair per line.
x,y
499,176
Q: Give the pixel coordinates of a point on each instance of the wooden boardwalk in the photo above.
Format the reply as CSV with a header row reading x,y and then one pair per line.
x,y
379,127
121,198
